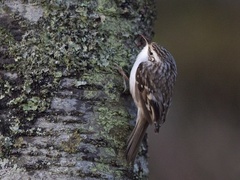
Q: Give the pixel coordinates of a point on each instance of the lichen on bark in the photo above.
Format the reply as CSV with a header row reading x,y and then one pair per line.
x,y
63,114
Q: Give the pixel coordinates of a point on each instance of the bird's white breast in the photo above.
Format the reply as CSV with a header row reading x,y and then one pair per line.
x,y
142,56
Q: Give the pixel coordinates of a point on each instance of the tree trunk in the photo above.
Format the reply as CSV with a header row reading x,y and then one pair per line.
x,y
63,113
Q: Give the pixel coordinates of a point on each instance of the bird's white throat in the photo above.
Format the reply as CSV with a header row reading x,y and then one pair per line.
x,y
142,56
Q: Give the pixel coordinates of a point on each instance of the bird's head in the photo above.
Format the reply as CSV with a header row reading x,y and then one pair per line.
x,y
153,51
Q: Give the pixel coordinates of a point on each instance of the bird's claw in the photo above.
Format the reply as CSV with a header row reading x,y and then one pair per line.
x,y
125,78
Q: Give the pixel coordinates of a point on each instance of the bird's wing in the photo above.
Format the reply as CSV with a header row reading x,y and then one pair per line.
x,y
154,92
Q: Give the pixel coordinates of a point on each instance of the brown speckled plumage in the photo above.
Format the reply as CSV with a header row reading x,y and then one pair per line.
x,y
151,84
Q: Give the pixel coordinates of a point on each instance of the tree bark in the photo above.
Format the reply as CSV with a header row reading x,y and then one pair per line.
x,y
63,113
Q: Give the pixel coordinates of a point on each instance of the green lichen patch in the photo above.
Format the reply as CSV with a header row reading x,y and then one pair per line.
x,y
107,8
108,82
115,129
19,142
6,38
106,171
71,145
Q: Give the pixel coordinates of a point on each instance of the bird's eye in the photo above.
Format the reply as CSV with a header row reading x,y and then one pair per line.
x,y
151,58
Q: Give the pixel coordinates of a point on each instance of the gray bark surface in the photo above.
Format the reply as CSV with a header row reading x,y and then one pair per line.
x,y
62,111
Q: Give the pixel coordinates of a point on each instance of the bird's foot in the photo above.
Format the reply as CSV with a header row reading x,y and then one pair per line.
x,y
125,78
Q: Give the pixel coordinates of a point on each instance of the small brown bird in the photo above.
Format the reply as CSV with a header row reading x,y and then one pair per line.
x,y
151,82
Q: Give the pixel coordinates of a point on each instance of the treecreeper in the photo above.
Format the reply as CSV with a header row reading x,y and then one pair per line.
x,y
151,83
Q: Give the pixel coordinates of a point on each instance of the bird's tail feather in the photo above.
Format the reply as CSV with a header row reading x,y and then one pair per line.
x,y
135,140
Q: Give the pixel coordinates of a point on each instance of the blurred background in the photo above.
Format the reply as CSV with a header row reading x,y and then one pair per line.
x,y
201,138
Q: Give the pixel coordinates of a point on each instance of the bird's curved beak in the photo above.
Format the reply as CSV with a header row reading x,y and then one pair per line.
x,y
144,39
